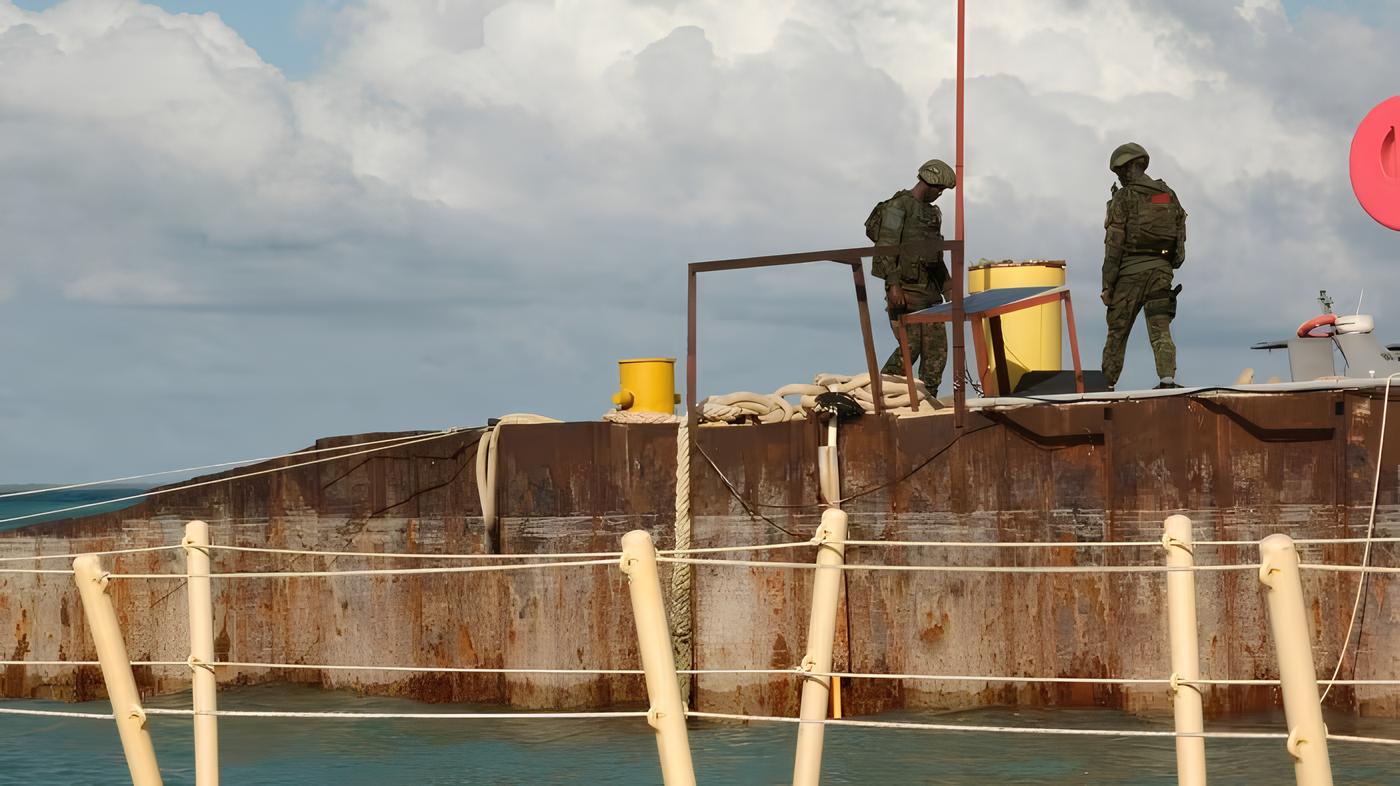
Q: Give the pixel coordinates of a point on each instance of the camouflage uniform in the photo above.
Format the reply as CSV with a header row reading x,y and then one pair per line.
x,y
904,219
1144,242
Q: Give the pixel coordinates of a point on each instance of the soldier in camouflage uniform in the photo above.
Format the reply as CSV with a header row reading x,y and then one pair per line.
x,y
914,281
1144,242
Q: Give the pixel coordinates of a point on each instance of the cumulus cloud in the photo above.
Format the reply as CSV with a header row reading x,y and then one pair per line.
x,y
475,207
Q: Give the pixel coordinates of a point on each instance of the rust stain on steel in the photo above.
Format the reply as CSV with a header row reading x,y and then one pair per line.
x,y
1241,466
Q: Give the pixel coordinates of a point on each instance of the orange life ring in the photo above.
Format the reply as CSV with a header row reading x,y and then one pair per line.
x,y
1306,329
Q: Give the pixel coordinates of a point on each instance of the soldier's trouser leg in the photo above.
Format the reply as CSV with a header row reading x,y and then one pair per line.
x,y
928,351
1160,308
1124,304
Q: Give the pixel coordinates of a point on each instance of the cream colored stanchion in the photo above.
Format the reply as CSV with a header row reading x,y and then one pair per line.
x,y
821,633
667,712
1307,736
203,684
1186,658
101,616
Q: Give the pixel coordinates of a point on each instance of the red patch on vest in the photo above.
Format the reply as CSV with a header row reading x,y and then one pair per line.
x,y
1161,199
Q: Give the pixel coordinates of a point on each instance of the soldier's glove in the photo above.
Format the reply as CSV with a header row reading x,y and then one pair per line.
x,y
1107,297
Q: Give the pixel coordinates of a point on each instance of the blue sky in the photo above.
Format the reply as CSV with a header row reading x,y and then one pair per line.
x,y
285,32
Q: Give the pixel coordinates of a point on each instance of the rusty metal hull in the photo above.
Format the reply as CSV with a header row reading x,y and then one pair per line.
x,y
1241,466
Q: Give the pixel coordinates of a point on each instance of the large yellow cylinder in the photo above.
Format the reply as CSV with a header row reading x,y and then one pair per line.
x,y
1032,335
647,385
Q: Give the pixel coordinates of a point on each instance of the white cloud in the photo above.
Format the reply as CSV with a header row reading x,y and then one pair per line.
x,y
507,190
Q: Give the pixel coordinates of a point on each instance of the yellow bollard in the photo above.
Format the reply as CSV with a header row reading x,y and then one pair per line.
x,y
647,385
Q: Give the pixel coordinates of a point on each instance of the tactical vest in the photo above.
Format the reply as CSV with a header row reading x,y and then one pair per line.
x,y
1152,219
925,224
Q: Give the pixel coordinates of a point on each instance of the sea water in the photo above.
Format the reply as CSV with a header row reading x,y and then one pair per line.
x,y
29,509
39,750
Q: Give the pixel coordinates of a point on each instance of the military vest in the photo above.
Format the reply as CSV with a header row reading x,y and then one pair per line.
x,y
904,219
1152,218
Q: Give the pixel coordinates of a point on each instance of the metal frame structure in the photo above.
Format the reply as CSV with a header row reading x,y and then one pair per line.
x,y
992,317
854,258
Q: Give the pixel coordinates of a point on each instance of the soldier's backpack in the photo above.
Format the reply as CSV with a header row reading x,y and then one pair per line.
x,y
1154,220
879,266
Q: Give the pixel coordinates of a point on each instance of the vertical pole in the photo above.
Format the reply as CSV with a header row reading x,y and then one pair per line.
x,y
1186,664
203,684
667,712
961,225
101,617
692,415
1307,736
1073,343
960,230
959,319
821,635
877,389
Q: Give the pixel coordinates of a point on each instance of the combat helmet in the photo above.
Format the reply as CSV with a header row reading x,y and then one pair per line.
x,y
1125,153
938,173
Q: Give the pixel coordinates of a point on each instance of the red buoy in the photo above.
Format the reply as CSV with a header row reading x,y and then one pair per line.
x,y
1375,163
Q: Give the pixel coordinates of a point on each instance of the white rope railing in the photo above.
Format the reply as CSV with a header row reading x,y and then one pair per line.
x,y
964,568
55,713
402,715
971,728
109,553
288,574
794,671
417,555
905,725
1075,544
230,479
672,553
220,465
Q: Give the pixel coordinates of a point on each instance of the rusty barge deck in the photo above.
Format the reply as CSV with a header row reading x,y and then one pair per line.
x,y
1242,465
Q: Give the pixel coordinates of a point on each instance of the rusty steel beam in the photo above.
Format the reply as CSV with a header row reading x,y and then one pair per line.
x,y
847,256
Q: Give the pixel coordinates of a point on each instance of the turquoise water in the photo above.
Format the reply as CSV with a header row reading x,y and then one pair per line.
x,y
13,507
347,753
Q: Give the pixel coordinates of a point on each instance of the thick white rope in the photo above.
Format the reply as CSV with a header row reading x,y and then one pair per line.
x,y
682,576
1238,735
230,479
1215,735
55,714
1055,544
968,568
114,552
360,572
745,406
486,456
796,671
1366,552
182,470
418,555
402,715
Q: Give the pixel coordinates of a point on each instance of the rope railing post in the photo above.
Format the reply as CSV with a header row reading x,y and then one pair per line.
x,y
203,685
1186,665
667,712
130,716
821,634
1302,709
